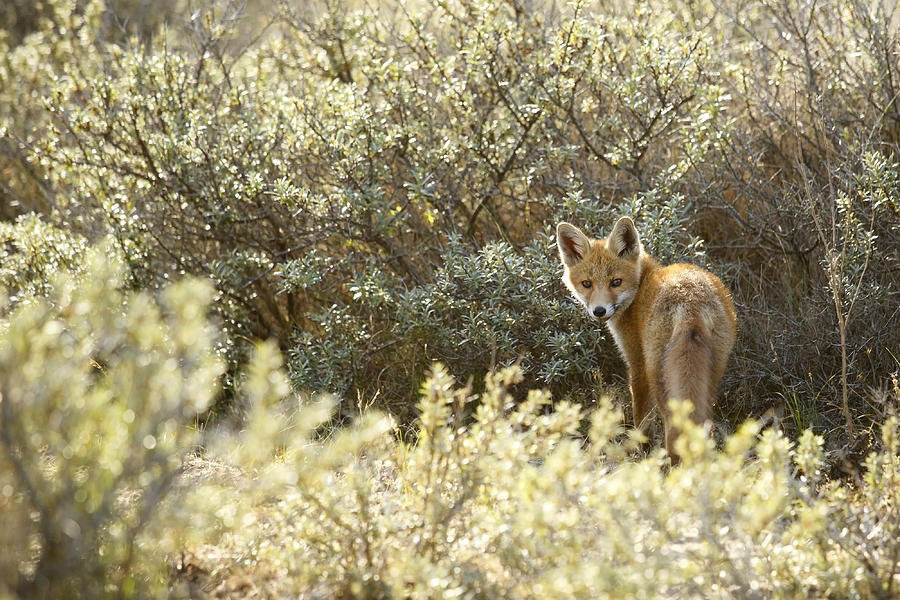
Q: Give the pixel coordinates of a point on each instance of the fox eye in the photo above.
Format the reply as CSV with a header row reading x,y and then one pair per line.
x,y
615,282
586,283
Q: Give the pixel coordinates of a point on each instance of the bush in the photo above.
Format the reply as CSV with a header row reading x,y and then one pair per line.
x,y
33,253
517,504
98,395
284,185
108,490
807,191
356,180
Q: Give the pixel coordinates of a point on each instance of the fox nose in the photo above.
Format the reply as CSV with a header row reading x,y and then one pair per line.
x,y
599,311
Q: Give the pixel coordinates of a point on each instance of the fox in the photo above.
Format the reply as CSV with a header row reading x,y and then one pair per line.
x,y
674,325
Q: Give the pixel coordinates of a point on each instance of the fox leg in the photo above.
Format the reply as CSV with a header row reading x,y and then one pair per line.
x,y
662,397
659,394
640,398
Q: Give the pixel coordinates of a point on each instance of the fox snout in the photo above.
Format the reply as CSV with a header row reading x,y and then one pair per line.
x,y
602,312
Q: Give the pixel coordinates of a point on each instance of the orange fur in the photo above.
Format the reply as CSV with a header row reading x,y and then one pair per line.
x,y
674,325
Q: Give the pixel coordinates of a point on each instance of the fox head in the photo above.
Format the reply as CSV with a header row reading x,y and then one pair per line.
x,y
603,274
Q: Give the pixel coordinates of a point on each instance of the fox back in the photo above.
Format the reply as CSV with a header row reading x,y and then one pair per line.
x,y
675,326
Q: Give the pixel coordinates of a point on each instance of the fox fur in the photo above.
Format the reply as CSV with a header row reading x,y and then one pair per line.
x,y
675,325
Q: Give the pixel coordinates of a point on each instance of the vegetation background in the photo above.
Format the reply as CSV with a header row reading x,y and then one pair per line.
x,y
371,187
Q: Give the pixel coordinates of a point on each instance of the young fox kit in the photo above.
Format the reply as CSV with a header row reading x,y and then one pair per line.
x,y
674,325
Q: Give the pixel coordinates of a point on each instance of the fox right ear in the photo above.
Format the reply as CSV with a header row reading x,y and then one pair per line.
x,y
573,244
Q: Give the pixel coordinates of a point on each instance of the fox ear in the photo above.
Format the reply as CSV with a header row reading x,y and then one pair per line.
x,y
624,240
573,244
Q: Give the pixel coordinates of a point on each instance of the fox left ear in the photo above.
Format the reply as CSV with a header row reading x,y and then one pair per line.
x,y
624,240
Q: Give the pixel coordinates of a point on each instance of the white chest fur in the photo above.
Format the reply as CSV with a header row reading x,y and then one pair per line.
x,y
611,325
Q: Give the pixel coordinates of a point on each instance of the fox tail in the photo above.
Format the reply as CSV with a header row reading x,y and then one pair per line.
x,y
687,367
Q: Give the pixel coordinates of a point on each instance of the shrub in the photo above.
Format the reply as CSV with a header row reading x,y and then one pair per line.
x,y
804,200
354,178
285,184
33,253
104,482
519,505
97,398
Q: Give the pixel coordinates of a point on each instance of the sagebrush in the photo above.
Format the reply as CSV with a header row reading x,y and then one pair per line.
x,y
110,490
372,185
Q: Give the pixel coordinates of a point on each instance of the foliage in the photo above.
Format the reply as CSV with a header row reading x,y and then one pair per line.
x,y
481,311
810,182
33,252
357,181
98,391
108,490
518,504
372,185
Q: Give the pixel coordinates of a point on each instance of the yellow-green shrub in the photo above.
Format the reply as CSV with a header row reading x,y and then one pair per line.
x,y
98,392
516,503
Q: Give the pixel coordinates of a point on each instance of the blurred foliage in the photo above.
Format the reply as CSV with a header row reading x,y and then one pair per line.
x,y
516,503
98,391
